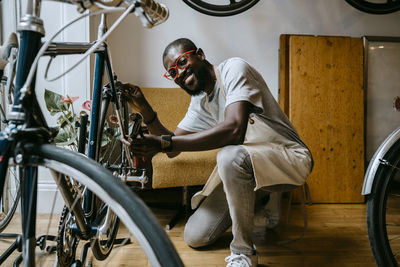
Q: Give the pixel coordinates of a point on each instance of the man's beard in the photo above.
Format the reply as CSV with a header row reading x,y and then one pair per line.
x,y
201,78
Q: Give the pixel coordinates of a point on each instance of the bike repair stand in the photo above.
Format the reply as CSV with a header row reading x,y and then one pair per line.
x,y
17,245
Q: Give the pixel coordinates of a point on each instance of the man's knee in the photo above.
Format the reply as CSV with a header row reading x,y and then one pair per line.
x,y
196,235
209,221
233,159
230,154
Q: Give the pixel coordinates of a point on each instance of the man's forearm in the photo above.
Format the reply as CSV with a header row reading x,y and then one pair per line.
x,y
219,136
153,123
157,128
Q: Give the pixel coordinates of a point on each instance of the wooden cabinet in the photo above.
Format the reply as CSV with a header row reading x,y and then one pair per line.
x,y
321,91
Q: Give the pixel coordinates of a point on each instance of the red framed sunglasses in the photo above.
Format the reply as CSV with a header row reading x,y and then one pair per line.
x,y
180,64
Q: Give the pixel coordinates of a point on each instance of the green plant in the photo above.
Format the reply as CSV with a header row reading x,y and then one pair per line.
x,y
68,122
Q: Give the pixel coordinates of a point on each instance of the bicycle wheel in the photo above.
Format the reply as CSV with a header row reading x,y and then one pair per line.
x,y
137,218
11,196
220,10
383,210
110,150
374,7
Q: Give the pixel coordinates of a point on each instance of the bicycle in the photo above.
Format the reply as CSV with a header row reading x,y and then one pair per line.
x,y
382,188
238,6
25,143
374,7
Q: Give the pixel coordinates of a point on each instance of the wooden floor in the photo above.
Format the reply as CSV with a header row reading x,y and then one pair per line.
x,y
336,236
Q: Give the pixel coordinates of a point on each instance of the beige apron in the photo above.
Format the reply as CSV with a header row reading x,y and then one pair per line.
x,y
275,159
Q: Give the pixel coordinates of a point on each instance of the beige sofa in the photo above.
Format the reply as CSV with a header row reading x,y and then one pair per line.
x,y
188,168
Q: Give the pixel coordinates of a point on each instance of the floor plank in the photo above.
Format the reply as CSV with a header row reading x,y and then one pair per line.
x,y
336,236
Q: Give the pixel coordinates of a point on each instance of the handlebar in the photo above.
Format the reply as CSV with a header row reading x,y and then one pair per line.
x,y
150,12
153,12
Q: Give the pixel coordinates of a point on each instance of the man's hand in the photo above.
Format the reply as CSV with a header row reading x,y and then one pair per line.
x,y
136,99
147,146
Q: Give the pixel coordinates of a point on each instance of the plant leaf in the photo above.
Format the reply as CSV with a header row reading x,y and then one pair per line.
x,y
53,102
65,137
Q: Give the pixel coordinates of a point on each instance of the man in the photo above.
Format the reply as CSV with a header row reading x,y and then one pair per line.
x,y
231,108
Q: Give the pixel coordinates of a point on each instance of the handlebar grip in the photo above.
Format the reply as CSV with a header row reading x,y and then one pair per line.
x,y
5,49
152,13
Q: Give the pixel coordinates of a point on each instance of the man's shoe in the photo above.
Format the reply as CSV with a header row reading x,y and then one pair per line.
x,y
241,260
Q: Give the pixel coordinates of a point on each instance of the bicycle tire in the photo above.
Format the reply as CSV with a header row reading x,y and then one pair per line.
x,y
382,205
221,10
131,210
375,8
10,199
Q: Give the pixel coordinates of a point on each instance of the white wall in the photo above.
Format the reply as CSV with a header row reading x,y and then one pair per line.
x,y
253,35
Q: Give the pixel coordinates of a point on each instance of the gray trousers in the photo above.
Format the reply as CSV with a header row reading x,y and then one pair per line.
x,y
231,203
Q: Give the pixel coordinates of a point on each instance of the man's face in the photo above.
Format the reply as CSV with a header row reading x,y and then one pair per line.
x,y
189,67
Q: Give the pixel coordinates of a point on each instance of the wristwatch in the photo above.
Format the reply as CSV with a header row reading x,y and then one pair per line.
x,y
166,143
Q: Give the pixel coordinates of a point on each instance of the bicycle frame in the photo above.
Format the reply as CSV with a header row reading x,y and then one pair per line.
x,y
27,123
24,117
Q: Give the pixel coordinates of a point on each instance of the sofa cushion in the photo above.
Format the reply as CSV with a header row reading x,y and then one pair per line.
x,y
188,168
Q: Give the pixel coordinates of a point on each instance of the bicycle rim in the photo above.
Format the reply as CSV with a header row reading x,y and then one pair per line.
x,y
11,196
157,250
374,7
229,9
383,212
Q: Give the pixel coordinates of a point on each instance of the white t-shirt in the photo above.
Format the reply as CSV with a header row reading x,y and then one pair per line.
x,y
240,82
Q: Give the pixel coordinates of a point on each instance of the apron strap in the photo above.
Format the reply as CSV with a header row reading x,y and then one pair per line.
x,y
221,89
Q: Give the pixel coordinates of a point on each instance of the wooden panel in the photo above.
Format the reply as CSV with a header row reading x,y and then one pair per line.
x,y
283,92
326,106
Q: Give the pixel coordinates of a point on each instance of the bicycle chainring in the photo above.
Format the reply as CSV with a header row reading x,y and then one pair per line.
x,y
67,242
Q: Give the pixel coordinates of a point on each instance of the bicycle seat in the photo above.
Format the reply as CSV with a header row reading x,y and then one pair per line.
x,y
5,49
